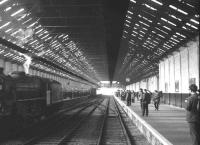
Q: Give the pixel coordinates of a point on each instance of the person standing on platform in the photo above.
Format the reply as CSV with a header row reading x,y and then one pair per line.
x,y
128,98
118,93
156,99
140,96
145,102
133,97
122,95
193,114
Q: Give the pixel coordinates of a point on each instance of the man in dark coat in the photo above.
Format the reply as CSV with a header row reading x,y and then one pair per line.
x,y
128,98
193,114
145,102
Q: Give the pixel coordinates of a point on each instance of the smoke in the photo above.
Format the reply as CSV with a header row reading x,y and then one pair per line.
x,y
28,60
27,63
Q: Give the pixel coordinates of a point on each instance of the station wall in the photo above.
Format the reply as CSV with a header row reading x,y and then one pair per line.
x,y
179,70
150,83
176,73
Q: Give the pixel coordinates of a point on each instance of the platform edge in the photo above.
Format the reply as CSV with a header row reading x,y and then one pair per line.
x,y
152,135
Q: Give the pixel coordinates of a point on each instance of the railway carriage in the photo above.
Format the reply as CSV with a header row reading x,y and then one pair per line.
x,y
34,95
31,98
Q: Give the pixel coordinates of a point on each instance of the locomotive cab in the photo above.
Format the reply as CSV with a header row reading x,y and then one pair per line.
x,y
7,98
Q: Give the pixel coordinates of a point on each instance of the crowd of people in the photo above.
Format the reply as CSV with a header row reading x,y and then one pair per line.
x,y
144,96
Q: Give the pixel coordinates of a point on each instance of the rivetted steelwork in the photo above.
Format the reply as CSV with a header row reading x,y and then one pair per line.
x,y
88,38
81,37
152,30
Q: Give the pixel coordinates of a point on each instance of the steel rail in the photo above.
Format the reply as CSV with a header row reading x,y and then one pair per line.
x,y
68,135
53,118
125,130
99,142
49,130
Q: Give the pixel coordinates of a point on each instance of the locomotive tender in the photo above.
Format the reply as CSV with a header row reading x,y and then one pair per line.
x,y
32,97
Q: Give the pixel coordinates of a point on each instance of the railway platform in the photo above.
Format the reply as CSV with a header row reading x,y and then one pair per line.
x,y
166,126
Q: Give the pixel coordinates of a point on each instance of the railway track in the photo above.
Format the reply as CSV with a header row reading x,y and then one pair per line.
x,y
25,135
113,130
103,127
100,122
108,125
58,132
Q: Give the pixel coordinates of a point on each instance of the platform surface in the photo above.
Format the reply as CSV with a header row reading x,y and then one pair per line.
x,y
168,121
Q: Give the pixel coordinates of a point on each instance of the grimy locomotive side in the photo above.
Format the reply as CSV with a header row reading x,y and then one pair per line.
x,y
31,98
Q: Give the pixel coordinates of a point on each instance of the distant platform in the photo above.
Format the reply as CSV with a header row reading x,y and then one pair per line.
x,y
167,125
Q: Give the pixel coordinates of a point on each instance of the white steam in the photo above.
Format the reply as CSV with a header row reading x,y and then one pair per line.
x,y
28,61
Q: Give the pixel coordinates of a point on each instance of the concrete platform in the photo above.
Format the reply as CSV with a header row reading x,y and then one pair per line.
x,y
167,125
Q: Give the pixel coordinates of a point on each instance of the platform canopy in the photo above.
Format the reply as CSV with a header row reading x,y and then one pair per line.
x,y
152,30
96,40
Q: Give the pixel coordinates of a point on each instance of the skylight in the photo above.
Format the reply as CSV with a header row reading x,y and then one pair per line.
x,y
168,21
8,30
127,25
145,18
161,30
175,17
194,21
161,35
27,21
128,21
3,1
155,1
17,12
179,10
38,31
22,17
128,17
130,12
144,23
4,25
133,1
181,35
188,24
167,28
7,9
152,8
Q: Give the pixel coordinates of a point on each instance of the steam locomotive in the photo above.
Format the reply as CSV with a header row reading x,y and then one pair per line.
x,y
31,97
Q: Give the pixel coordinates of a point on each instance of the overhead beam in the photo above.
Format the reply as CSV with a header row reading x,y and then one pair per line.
x,y
45,61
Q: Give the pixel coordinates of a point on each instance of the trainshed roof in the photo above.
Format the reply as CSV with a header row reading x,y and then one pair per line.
x,y
152,30
96,40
